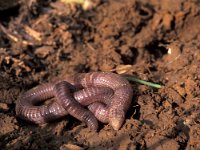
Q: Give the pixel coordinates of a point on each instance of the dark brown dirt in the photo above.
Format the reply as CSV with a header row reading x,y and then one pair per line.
x,y
159,39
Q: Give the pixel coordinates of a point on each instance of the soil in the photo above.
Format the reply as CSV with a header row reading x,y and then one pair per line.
x,y
153,40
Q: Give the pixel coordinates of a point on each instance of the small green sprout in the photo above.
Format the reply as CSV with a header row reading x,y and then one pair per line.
x,y
131,78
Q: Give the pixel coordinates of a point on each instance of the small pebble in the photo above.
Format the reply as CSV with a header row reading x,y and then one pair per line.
x,y
70,147
44,51
4,107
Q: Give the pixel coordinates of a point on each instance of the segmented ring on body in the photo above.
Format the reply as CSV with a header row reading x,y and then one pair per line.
x,y
107,95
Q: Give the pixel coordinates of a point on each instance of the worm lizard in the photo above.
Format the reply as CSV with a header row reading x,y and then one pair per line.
x,y
106,95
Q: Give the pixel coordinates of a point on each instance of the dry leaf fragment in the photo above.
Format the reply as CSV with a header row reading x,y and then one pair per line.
x,y
120,69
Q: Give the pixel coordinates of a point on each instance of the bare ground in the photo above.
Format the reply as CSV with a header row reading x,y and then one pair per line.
x,y
159,40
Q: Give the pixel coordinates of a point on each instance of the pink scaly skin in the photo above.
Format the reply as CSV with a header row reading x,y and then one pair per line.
x,y
121,99
107,96
27,109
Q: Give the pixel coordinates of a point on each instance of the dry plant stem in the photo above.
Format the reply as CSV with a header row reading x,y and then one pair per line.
x,y
73,1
